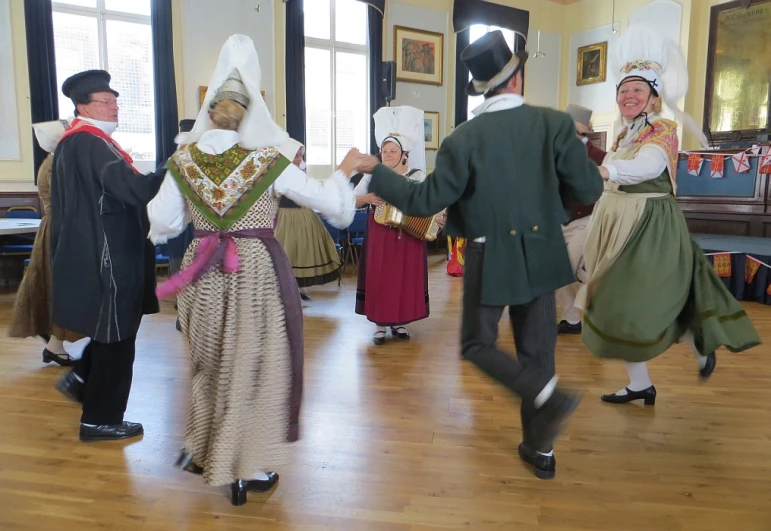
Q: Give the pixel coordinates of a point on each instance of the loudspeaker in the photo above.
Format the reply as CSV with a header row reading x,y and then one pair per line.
x,y
389,80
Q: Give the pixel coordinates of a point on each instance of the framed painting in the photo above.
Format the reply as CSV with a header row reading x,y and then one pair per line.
x,y
592,64
737,99
202,95
431,129
418,55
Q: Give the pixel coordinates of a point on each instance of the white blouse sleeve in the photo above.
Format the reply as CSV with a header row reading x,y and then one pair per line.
x,y
333,197
363,187
647,165
168,212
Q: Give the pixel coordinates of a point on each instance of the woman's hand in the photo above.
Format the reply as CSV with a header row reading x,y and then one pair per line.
x,y
441,220
350,162
604,172
368,199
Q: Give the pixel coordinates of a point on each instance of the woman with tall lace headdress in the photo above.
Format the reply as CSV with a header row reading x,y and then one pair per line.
x,y
649,285
239,305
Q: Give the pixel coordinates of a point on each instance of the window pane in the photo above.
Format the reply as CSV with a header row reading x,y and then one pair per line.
x,y
351,21
76,45
478,30
137,7
130,63
78,3
318,106
317,18
351,91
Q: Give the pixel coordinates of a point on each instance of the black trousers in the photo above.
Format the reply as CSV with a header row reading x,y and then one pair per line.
x,y
107,370
534,326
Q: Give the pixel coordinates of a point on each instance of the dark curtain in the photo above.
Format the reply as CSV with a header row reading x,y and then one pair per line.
x,y
375,44
295,70
377,4
41,63
461,77
166,115
468,12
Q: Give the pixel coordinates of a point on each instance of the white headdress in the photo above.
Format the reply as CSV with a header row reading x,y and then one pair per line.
x,y
237,77
644,54
405,125
48,134
290,148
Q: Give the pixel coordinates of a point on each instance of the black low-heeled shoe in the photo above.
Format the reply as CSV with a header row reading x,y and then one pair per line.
x,y
185,462
709,368
647,395
65,360
400,332
238,489
378,337
544,466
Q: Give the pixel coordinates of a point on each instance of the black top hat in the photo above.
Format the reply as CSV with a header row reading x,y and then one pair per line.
x,y
490,62
79,87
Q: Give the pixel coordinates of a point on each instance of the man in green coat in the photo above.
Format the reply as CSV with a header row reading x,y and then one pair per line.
x,y
505,177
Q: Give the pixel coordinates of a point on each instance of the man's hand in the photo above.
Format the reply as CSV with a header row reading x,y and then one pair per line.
x,y
583,130
367,163
368,199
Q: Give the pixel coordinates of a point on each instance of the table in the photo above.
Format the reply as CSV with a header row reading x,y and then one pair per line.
x,y
18,226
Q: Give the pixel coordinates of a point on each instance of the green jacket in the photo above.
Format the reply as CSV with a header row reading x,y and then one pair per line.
x,y
506,175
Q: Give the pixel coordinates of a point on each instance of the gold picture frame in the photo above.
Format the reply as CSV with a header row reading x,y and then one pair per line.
x,y
202,94
431,129
419,56
592,64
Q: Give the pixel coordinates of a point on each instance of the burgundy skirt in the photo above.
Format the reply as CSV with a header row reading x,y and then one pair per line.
x,y
392,288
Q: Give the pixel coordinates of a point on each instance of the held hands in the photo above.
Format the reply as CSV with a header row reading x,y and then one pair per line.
x,y
583,130
355,161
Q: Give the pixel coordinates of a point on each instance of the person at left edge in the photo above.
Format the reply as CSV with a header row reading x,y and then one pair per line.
x,y
103,265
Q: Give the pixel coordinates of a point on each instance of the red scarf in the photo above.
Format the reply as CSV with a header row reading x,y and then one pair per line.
x,y
82,126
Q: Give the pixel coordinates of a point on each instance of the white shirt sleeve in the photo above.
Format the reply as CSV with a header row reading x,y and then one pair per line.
x,y
647,165
168,212
363,187
333,197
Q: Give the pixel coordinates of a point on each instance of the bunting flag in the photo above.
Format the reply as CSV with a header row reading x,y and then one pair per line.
x,y
722,264
755,150
765,163
716,166
694,164
741,162
751,267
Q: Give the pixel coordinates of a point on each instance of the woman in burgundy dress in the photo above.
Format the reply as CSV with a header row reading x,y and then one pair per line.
x,y
392,288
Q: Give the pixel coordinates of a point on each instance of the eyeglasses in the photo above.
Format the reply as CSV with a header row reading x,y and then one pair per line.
x,y
105,102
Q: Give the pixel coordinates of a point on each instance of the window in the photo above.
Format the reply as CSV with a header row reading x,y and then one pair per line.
x,y
336,81
113,35
476,31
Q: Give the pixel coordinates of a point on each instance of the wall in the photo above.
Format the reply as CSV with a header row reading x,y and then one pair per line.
x,y
206,25
10,148
17,175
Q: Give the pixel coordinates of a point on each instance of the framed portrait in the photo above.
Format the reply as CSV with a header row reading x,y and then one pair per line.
x,y
418,55
592,64
737,99
202,95
431,129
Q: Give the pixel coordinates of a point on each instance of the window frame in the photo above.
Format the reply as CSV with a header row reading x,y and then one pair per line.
x,y
332,45
102,15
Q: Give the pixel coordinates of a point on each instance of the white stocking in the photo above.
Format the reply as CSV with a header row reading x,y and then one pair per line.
x,y
638,377
55,346
688,338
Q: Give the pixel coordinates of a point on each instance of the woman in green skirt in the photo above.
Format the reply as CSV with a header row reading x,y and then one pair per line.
x,y
649,285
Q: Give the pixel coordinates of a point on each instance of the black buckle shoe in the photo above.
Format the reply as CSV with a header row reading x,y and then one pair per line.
x,y
65,360
110,432
71,387
566,328
238,489
709,368
544,466
647,395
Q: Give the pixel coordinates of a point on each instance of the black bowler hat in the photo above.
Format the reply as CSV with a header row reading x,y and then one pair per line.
x,y
79,87
490,62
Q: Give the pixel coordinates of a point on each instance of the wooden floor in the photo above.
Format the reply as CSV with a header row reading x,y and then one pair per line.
x,y
401,437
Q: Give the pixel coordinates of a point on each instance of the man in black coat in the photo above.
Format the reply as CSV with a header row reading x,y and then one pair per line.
x,y
103,265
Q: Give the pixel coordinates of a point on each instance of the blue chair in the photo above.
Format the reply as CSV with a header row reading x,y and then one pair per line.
x,y
356,231
161,257
338,236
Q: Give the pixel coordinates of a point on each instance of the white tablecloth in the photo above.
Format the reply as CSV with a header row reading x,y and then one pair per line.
x,y
18,226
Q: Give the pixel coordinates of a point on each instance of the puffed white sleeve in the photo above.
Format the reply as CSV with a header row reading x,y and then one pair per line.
x,y
647,165
168,212
332,197
363,187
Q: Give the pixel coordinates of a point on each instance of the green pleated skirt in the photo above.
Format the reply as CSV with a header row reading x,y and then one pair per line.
x,y
660,286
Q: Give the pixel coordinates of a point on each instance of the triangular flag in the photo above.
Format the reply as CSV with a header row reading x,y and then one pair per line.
x,y
754,150
765,163
694,164
716,166
741,162
722,264
751,267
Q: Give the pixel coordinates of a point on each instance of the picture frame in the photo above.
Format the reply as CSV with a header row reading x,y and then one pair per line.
x,y
592,64
419,56
431,129
202,94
